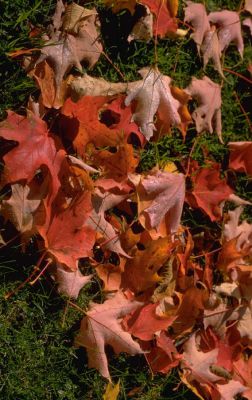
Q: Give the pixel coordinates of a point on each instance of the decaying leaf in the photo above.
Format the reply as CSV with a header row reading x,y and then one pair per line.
x,y
207,115
102,326
210,49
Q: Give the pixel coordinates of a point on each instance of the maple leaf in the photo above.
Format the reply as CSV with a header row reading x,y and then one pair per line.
x,y
208,191
241,232
240,156
144,323
164,13
248,6
81,124
101,202
164,356
21,206
198,362
64,50
160,202
196,14
243,368
140,271
67,235
211,49
102,326
117,165
229,28
70,282
151,93
207,115
45,79
35,148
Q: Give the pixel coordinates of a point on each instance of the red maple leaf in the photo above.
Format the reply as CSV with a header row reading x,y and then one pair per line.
x,y
84,124
209,190
36,147
163,18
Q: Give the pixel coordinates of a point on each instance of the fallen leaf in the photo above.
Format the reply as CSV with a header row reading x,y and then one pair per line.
x,y
151,93
102,326
70,282
143,28
64,50
160,202
21,206
163,11
112,391
210,49
140,272
81,122
67,236
208,191
164,356
35,148
198,362
240,156
144,323
195,13
248,6
207,115
229,28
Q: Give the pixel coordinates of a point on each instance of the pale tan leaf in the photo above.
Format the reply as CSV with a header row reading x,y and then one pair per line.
x,y
102,326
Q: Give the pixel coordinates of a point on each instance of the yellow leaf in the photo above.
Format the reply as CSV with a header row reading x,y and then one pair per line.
x,y
112,391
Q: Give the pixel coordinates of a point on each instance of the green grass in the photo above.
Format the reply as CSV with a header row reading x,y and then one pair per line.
x,y
37,357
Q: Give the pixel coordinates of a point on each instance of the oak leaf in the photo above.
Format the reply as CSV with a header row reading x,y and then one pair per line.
x,y
160,202
240,156
207,115
102,326
151,93
208,191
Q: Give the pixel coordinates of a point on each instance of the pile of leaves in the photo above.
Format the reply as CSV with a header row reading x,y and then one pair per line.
x,y
73,182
